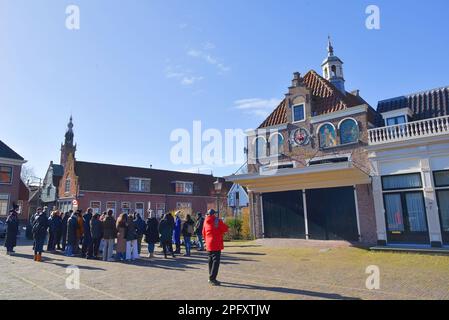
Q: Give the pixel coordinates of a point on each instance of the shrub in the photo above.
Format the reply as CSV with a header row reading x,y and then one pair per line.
x,y
235,229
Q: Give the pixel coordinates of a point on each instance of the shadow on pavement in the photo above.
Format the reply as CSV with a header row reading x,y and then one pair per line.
x,y
332,296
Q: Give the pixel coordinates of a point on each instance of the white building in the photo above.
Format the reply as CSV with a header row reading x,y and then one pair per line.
x,y
410,169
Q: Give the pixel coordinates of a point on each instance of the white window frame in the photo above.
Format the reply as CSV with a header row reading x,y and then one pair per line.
x,y
114,209
68,182
142,214
184,183
5,197
140,180
93,209
276,135
293,112
121,206
406,112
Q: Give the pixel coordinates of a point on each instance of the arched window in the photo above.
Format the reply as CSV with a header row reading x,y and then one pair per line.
x,y
334,71
349,131
326,73
276,144
327,136
261,147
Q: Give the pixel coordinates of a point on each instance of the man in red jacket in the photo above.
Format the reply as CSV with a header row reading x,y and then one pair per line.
x,y
213,231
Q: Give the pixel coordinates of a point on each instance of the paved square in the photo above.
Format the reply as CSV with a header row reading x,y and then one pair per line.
x,y
250,270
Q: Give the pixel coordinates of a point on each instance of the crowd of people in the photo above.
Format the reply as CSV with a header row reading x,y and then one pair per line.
x,y
94,236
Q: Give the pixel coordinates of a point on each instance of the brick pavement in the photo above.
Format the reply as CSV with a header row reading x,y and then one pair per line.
x,y
250,270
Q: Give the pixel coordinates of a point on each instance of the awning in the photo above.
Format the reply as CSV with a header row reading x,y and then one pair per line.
x,y
312,177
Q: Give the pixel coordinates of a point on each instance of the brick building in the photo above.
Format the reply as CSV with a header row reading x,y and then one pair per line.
x,y
12,189
129,189
308,172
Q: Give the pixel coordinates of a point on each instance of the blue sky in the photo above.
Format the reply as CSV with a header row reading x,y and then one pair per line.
x,y
136,70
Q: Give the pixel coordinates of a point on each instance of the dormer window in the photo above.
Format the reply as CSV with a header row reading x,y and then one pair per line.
x,y
183,187
298,112
397,117
139,185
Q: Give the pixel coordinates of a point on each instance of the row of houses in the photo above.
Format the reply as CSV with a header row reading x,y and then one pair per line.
x,y
74,184
326,165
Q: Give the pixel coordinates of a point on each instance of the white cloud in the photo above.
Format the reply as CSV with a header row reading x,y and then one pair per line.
x,y
258,107
184,76
208,58
188,81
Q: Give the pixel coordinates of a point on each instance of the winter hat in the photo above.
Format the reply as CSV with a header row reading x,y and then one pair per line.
x,y
211,212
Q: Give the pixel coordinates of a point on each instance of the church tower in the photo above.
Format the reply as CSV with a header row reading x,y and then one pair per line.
x,y
68,147
333,69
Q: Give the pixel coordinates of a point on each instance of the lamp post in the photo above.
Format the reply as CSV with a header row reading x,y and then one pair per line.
x,y
218,185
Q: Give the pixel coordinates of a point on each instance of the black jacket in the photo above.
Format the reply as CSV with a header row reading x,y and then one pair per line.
x,y
109,228
96,229
152,231
188,228
12,230
72,227
131,231
40,226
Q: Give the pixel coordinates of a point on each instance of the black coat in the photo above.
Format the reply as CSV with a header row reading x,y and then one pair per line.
x,y
12,230
55,225
131,231
185,228
72,227
96,229
140,226
64,225
166,230
87,238
152,231
40,226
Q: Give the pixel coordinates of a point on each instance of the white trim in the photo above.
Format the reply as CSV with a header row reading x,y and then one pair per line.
x,y
407,112
277,133
306,217
303,104
339,114
93,201
322,125
12,162
357,212
143,194
262,219
255,132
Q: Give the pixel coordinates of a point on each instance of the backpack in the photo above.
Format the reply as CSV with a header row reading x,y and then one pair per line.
x,y
189,228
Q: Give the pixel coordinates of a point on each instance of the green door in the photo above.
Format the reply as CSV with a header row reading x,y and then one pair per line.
x,y
283,215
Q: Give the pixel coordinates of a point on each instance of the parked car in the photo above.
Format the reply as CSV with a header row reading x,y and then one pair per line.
x,y
2,229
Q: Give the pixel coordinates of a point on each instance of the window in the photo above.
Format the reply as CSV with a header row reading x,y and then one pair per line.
x,y
298,113
276,144
327,136
160,209
5,174
396,120
441,178
126,207
111,205
261,148
405,212
139,185
184,187
334,71
401,182
443,204
67,186
349,131
96,207
4,203
140,209
185,208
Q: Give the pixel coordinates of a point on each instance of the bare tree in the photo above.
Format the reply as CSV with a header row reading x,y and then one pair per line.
x,y
28,175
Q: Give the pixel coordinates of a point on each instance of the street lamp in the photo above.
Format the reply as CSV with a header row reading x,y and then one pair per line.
x,y
218,185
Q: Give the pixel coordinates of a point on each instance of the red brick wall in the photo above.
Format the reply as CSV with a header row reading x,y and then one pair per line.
x,y
12,189
366,213
199,204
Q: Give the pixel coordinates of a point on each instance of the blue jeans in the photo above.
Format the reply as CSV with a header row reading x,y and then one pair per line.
x,y
39,245
151,248
121,255
200,241
188,245
69,250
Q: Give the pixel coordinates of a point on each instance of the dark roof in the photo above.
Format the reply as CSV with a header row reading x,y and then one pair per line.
x,y
58,170
113,178
424,105
7,152
326,98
